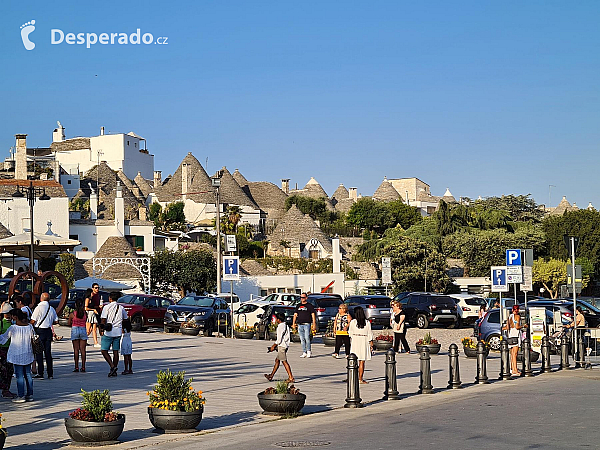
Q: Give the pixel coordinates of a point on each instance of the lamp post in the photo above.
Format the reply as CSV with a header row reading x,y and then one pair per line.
x,y
31,193
216,184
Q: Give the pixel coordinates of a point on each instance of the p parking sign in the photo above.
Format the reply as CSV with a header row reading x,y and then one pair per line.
x,y
499,280
513,257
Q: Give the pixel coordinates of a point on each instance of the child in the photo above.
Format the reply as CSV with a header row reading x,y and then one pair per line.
x,y
126,347
281,345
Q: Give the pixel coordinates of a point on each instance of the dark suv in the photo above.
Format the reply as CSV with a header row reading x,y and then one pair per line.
x,y
421,309
209,313
326,307
377,308
76,293
268,317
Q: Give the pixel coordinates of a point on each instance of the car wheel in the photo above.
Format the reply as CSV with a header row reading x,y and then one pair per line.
x,y
208,329
168,330
422,321
137,323
455,324
494,342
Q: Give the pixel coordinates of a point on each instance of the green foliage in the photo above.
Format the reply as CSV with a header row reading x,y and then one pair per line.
x,y
171,218
66,266
192,270
314,207
302,265
174,393
426,231
350,273
518,208
401,214
450,220
154,214
97,403
281,387
368,214
82,205
552,273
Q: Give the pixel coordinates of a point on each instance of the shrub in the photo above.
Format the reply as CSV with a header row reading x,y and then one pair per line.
x,y
174,393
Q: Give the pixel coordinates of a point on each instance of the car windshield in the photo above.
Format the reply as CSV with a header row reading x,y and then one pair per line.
x,y
475,301
378,302
289,312
126,299
441,300
4,284
586,305
328,302
196,301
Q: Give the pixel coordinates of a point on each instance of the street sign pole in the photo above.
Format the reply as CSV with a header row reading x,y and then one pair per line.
x,y
574,276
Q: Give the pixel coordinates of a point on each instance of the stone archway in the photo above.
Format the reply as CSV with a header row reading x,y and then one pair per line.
x,y
142,265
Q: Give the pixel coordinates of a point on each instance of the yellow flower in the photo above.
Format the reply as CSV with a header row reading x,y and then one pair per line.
x,y
191,388
185,399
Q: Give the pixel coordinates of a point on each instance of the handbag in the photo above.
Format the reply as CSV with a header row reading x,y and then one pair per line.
x,y
108,326
513,341
36,344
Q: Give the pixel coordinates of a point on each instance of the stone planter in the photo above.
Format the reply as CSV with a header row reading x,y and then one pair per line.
x,y
281,404
434,349
273,335
243,334
472,352
534,356
84,431
63,322
329,341
296,337
175,421
383,345
190,331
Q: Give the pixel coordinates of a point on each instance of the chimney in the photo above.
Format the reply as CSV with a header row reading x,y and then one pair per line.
x,y
143,213
101,131
285,185
21,157
337,255
157,178
120,210
56,170
184,180
58,135
352,194
93,204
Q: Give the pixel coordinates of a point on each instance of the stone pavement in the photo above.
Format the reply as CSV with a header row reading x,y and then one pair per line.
x,y
229,372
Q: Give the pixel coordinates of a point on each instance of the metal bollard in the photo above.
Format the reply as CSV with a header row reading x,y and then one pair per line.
x,y
527,372
353,399
425,387
546,366
481,377
580,351
504,361
564,353
391,391
454,381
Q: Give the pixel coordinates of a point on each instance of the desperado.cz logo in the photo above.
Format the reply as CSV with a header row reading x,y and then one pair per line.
x,y
58,36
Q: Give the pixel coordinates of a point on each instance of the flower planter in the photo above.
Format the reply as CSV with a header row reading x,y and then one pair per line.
x,y
175,421
281,404
273,335
329,341
84,431
434,349
243,334
190,331
383,345
472,352
533,355
63,322
296,337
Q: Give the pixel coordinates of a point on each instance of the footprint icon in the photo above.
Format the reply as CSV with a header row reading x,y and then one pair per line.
x,y
26,30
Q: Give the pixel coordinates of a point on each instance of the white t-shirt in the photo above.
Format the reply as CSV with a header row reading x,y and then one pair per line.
x,y
39,313
283,335
115,314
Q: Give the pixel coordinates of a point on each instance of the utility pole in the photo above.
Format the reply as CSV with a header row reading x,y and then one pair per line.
x,y
216,184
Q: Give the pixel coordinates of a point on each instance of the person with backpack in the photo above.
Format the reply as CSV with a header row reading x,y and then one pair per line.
x,y
281,345
79,337
20,354
112,319
43,317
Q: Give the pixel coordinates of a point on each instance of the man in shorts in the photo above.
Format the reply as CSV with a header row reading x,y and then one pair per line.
x,y
281,345
112,318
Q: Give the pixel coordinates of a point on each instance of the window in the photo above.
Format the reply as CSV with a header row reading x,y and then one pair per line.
x,y
245,309
136,242
313,254
68,181
152,303
494,317
263,292
414,299
135,144
74,237
127,142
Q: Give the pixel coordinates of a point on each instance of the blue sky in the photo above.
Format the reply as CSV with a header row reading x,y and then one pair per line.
x,y
483,97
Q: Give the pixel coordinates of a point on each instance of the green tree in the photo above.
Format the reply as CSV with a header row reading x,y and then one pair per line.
x,y
518,208
551,274
173,217
66,266
192,270
368,214
401,214
314,207
155,214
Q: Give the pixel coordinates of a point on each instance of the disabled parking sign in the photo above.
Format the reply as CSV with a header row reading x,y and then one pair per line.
x,y
499,279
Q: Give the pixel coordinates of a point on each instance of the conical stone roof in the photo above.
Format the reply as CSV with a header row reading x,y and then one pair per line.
x,y
340,193
115,247
170,191
268,197
563,207
231,193
386,192
239,178
448,197
297,228
143,184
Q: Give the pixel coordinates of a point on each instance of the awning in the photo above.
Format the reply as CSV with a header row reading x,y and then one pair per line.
x,y
44,245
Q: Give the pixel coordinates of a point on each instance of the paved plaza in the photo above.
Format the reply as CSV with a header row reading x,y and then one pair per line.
x,y
229,372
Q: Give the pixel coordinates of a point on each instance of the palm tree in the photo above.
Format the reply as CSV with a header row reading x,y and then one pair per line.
x,y
234,214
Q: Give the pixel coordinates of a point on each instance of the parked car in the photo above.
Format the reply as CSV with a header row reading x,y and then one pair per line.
x,y
75,294
326,307
208,313
590,312
554,306
228,297
283,298
249,313
377,307
422,309
26,285
145,310
268,317
468,307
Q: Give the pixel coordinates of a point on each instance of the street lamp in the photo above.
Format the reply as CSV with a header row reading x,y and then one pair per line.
x,y
216,184
31,193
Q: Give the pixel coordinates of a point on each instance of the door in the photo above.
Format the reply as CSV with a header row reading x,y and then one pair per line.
x,y
152,311
410,307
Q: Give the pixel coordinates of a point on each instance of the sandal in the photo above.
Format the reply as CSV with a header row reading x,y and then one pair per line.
x,y
76,369
290,380
363,382
82,369
124,372
268,377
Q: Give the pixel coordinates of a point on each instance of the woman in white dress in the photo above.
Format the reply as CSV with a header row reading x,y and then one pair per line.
x,y
361,340
20,354
513,326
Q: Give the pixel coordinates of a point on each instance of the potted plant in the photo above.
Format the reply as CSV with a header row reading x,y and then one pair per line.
x,y
470,347
3,433
63,320
174,405
189,328
329,337
283,399
273,331
243,331
383,342
95,421
432,344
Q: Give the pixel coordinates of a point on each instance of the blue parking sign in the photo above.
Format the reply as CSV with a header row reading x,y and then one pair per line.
x,y
231,268
498,277
513,257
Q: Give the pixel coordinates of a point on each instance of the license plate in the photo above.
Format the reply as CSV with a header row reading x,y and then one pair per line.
x,y
385,311
181,319
446,311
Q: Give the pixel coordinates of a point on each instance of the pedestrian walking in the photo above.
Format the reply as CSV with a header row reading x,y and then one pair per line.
x,y
281,345
361,340
513,326
6,368
43,317
92,307
127,348
20,354
398,323
79,337
340,325
305,319
112,318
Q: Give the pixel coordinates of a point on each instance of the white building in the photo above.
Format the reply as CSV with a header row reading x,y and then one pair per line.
x,y
126,152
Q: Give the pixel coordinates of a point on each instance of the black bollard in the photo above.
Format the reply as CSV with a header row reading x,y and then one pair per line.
x,y
580,359
391,391
454,381
425,387
504,361
353,399
564,353
546,366
527,372
481,377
